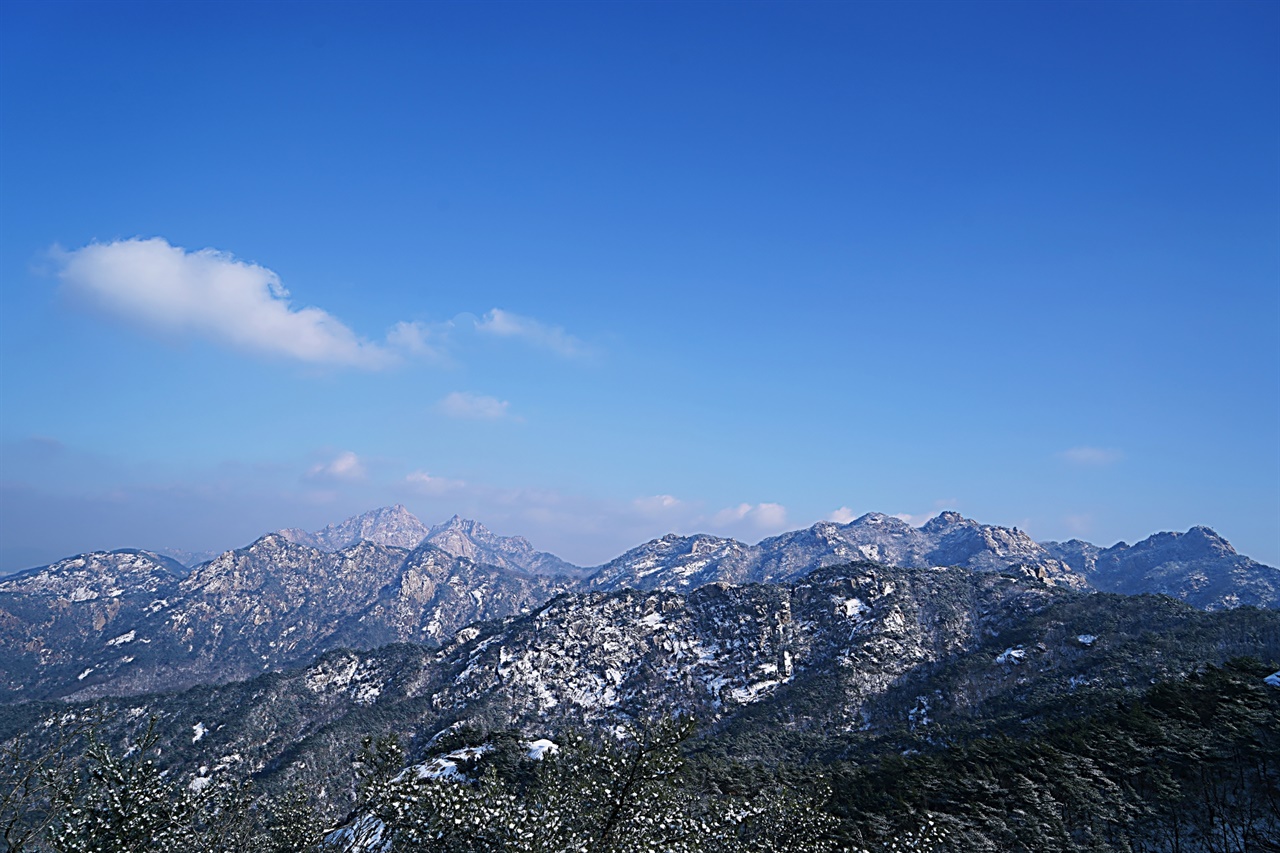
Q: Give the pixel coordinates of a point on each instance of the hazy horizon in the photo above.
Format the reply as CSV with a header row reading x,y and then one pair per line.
x,y
593,562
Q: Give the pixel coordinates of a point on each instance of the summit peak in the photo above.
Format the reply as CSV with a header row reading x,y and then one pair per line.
x,y
944,521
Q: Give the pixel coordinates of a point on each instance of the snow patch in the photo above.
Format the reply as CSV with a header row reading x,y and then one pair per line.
x,y
1012,656
445,766
197,732
919,715
753,692
123,638
1086,639
853,607
363,835
541,747
653,620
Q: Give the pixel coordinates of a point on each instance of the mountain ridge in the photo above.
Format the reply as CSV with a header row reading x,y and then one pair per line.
x,y
850,652
131,621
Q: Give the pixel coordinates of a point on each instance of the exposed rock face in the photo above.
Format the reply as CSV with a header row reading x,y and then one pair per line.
x,y
101,575
471,539
1199,567
676,562
436,593
132,621
396,527
601,658
849,650
393,526
60,624
127,623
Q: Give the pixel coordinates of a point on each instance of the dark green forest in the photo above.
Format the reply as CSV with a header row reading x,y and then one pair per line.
x,y
1189,764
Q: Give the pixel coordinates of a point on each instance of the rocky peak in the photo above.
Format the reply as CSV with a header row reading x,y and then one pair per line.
x,y
944,521
101,574
465,526
1198,566
393,526
463,537
1206,538
1198,543
878,520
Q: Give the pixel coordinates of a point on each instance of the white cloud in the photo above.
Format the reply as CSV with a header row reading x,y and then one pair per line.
x,y
420,339
656,504
843,515
1091,457
213,295
729,515
425,484
916,519
465,404
345,466
508,325
769,516
765,516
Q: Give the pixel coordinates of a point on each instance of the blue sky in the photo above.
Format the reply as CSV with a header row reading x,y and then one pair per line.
x,y
592,273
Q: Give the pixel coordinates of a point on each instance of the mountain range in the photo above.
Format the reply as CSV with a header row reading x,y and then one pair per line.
x,y
134,621
842,666
870,654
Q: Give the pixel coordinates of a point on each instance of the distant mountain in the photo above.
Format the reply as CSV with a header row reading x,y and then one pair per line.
x,y
99,576
393,526
132,621
128,622
396,527
60,623
188,559
434,594
687,562
1199,567
464,538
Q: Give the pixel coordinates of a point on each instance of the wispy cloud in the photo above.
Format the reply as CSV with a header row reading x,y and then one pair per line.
x,y
843,515
425,484
213,295
465,404
916,519
765,516
505,324
421,340
1091,457
344,466
658,504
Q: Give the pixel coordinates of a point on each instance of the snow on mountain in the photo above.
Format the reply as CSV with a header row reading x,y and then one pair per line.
x,y
848,650
280,602
272,605
471,539
99,575
393,526
1199,567
686,562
